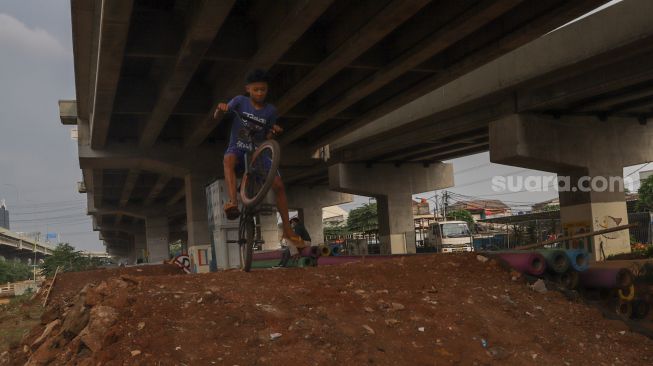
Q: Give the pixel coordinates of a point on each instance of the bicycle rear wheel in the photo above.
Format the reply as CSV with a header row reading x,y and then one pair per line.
x,y
246,241
260,174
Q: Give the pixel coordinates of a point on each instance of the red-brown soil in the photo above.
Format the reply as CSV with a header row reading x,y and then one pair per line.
x,y
422,310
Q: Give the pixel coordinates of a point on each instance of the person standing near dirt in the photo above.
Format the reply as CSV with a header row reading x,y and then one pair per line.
x,y
299,229
242,141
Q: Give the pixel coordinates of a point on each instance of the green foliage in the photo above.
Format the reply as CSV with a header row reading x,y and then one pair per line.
x,y
645,192
11,271
331,231
363,219
462,215
549,208
69,259
175,248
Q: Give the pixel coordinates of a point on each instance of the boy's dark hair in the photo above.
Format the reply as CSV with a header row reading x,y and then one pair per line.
x,y
257,76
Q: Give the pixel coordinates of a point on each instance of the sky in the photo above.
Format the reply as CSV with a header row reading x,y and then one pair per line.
x,y
39,168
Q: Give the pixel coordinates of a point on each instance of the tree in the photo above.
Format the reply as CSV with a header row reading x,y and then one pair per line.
x,y
645,191
13,271
65,256
462,215
335,231
363,219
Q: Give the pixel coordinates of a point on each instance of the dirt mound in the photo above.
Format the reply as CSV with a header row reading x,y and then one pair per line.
x,y
423,310
70,284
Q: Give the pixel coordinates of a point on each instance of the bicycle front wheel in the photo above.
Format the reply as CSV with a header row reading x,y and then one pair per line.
x,y
262,170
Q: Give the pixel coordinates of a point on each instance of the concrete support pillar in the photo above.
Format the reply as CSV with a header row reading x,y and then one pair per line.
x,y
588,155
393,187
196,213
270,232
140,247
309,202
157,238
132,253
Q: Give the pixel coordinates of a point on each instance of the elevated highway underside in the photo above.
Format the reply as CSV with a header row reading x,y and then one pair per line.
x,y
148,75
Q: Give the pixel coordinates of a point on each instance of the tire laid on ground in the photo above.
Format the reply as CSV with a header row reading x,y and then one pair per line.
x,y
627,294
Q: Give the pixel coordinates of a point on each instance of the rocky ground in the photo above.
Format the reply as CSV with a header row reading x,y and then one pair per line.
x,y
422,310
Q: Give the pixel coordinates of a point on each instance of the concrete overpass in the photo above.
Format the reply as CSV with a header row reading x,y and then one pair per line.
x,y
13,246
577,102
148,75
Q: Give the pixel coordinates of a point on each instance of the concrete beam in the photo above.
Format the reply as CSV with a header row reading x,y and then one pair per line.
x,y
171,160
83,18
276,36
388,19
207,19
442,126
98,187
494,68
160,184
139,211
68,112
177,197
130,182
465,24
527,140
121,228
114,28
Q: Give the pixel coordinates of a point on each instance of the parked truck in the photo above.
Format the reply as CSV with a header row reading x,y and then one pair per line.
x,y
449,237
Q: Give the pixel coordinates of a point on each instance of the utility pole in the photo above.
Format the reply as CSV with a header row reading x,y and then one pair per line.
x,y
436,209
445,203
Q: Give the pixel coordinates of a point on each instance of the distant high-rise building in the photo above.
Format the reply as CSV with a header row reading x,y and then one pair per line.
x,y
4,215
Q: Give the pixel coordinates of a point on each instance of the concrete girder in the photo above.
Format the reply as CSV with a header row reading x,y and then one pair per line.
x,y
121,228
160,184
205,22
170,160
275,41
130,183
115,18
471,20
390,17
139,211
177,197
580,142
475,78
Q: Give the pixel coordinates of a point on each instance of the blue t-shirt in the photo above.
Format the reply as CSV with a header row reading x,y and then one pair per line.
x,y
241,129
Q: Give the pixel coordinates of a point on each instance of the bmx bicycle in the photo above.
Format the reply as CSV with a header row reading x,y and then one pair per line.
x,y
261,168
